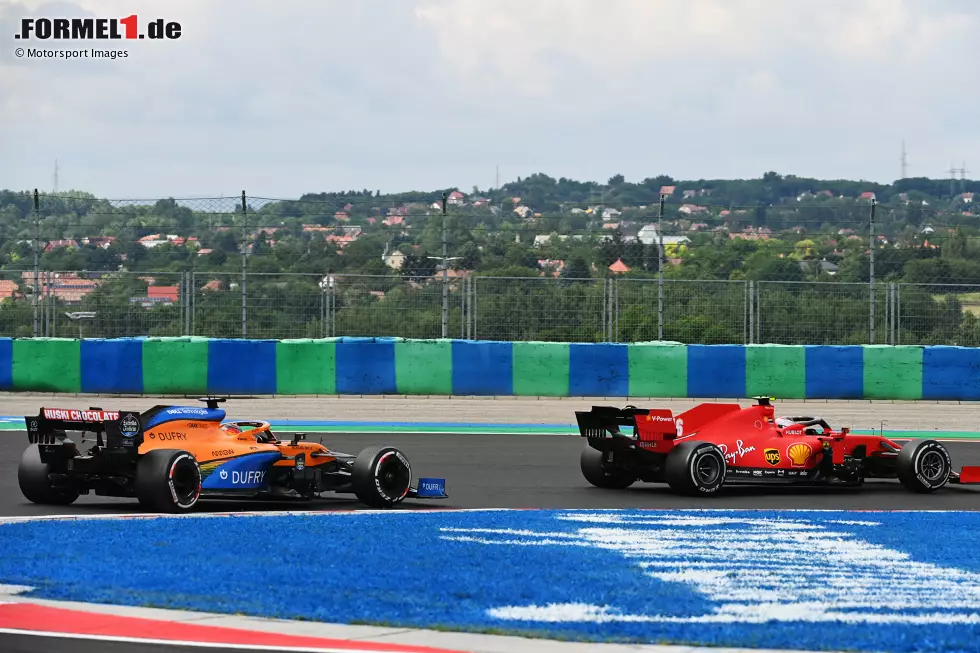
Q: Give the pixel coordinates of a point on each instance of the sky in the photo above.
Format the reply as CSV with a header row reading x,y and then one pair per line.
x,y
294,96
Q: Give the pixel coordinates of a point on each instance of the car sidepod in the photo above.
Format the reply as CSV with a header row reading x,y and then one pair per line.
x,y
247,473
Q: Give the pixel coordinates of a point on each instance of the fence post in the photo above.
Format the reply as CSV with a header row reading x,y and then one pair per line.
x,y
872,269
894,313
660,269
445,269
37,255
244,262
188,291
751,291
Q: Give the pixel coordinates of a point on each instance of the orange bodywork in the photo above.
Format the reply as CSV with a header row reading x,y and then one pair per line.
x,y
211,442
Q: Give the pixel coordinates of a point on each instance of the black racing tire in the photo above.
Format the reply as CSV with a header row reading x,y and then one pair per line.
x,y
32,475
381,477
696,468
168,481
601,475
924,466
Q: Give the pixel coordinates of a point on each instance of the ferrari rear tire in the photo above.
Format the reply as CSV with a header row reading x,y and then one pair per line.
x,y
381,477
601,475
924,466
168,481
32,475
696,468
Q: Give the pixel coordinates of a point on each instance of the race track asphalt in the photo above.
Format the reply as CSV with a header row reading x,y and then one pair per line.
x,y
525,471
35,644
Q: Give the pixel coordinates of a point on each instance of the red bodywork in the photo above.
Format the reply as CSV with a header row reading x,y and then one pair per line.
x,y
749,437
752,440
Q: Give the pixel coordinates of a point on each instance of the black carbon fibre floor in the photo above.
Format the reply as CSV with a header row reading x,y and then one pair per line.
x,y
528,471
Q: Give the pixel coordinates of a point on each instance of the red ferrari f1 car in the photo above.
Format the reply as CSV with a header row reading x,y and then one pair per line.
x,y
701,449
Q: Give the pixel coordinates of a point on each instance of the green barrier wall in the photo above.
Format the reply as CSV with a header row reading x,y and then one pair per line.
x,y
372,366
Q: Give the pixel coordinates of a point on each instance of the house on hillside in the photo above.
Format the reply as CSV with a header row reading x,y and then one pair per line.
x,y
619,267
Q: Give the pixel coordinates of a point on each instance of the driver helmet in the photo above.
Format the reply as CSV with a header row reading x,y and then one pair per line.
x,y
783,422
232,428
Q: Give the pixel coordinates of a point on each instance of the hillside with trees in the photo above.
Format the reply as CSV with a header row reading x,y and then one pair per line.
x,y
543,246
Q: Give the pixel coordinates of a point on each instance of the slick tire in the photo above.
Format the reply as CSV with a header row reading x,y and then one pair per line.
x,y
168,481
924,466
381,477
696,469
32,475
601,475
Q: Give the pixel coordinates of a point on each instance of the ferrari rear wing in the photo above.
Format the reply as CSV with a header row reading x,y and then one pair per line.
x,y
605,421
122,430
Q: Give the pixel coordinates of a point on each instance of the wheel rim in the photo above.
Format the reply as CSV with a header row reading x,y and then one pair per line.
x,y
185,481
707,469
932,465
393,477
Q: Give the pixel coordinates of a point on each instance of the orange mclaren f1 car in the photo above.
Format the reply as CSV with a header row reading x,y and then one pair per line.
x,y
171,456
700,450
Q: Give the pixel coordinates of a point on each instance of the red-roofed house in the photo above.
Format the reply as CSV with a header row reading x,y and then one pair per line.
x,y
667,190
867,196
8,289
163,293
619,267
55,244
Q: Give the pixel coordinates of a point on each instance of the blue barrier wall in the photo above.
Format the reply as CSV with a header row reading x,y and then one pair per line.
x,y
372,366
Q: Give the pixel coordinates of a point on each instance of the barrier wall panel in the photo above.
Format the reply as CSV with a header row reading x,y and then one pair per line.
x,y
47,365
424,367
775,371
834,372
482,368
6,364
657,370
112,366
716,371
306,367
366,366
951,373
601,370
892,372
175,366
242,367
541,369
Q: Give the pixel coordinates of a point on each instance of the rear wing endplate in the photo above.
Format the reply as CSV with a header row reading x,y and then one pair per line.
x,y
605,421
122,430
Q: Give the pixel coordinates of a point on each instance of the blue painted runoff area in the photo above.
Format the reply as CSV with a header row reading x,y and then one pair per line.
x,y
813,580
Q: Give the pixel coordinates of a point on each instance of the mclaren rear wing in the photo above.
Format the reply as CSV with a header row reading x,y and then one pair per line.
x,y
123,431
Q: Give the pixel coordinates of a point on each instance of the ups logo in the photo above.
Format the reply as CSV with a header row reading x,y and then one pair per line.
x,y
772,456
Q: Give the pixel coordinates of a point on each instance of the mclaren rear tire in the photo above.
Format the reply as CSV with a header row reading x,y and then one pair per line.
x,y
601,475
924,466
36,486
381,477
696,468
168,481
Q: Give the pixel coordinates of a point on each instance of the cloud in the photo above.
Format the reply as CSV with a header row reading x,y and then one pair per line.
x,y
328,94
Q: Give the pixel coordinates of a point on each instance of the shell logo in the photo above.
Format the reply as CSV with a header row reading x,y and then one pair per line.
x,y
799,453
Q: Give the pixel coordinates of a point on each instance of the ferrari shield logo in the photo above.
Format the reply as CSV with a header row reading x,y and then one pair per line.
x,y
772,456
